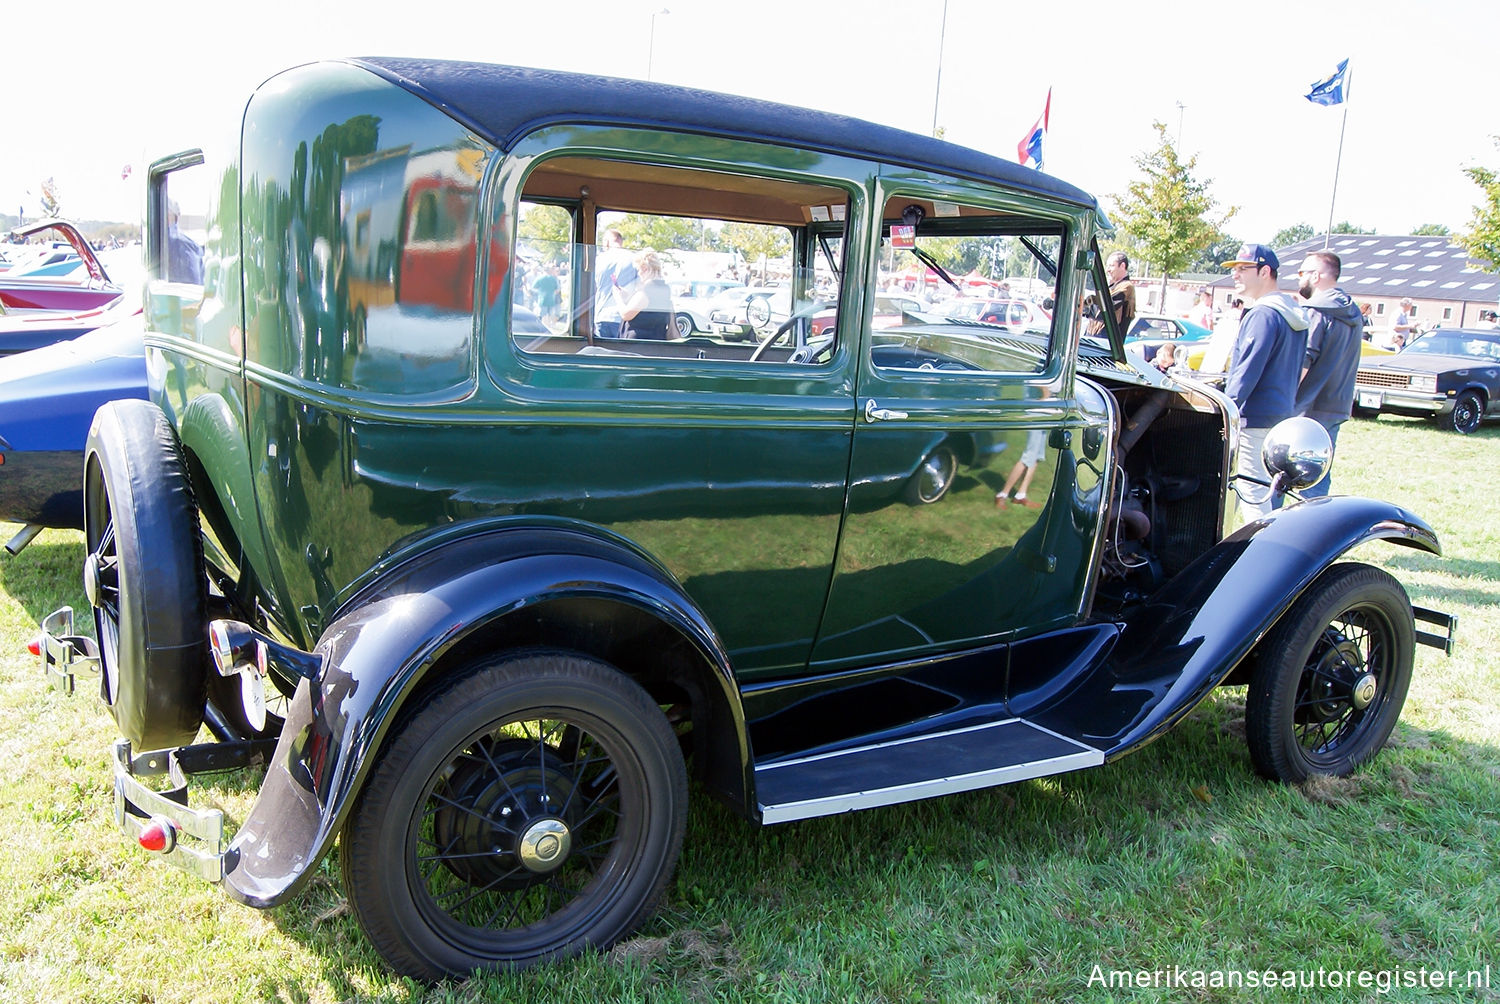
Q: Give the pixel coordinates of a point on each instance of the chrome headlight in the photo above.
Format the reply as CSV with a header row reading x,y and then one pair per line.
x,y
1425,383
1299,451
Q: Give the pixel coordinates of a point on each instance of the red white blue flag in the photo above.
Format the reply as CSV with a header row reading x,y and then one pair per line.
x,y
1029,150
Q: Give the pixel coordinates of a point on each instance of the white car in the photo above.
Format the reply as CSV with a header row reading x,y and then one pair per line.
x,y
750,312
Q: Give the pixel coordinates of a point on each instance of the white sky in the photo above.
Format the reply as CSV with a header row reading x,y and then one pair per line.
x,y
90,86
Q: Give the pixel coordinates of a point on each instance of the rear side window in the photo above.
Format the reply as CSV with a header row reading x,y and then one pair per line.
x,y
639,261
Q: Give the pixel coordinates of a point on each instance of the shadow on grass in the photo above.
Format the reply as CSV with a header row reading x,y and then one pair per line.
x,y
1466,567
46,575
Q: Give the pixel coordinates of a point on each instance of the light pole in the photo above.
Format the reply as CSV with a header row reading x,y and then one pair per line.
x,y
651,45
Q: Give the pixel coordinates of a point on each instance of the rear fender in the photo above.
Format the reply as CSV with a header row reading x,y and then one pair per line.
x,y
1182,643
393,637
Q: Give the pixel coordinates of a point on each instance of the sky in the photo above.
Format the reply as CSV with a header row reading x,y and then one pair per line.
x,y
90,87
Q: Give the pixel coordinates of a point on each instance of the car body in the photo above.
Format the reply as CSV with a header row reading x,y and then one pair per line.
x,y
1148,332
476,595
48,397
76,289
1451,375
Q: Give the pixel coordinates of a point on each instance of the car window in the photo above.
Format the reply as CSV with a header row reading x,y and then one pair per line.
x,y
657,262
935,247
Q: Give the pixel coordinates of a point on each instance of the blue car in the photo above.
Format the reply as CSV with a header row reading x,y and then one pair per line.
x,y
47,400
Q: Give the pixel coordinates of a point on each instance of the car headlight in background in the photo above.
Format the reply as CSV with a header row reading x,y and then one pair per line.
x,y
1426,383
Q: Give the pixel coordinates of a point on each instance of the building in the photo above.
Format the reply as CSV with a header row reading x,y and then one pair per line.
x,y
1445,285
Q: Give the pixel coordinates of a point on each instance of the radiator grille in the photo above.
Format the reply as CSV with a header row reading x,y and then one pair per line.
x,y
1380,378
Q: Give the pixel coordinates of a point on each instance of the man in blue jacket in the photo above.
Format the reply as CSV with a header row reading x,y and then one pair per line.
x,y
1266,366
1326,394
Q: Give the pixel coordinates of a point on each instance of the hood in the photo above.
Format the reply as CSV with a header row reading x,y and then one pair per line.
x,y
1336,305
1287,307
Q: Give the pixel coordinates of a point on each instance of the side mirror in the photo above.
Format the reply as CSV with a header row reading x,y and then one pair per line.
x,y
1297,454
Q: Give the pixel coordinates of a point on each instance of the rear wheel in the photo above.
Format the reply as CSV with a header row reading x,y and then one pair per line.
x,y
933,477
143,575
1332,676
531,809
684,325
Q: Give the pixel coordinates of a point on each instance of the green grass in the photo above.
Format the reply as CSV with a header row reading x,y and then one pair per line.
x,y
1176,856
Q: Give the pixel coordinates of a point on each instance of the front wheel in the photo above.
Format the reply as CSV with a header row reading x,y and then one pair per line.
x,y
683,323
1467,412
1332,676
532,808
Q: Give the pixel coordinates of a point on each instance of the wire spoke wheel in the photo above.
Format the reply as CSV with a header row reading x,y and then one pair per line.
x,y
533,808
1332,677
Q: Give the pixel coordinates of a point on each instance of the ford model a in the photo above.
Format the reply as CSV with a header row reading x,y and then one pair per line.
x,y
476,578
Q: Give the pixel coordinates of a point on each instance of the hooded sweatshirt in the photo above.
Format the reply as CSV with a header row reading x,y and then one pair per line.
x,y
1267,363
1333,350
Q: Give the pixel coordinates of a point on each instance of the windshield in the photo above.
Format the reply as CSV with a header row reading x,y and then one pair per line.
x,y
1455,344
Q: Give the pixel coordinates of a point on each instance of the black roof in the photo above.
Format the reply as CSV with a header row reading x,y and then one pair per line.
x,y
503,103
1385,265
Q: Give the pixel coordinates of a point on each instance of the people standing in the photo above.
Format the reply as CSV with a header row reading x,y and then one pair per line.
x,y
1121,289
1405,328
1202,313
614,280
1266,366
1326,392
648,311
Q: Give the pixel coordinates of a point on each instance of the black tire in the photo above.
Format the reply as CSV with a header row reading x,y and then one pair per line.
x,y
448,852
143,575
1467,413
933,477
1332,676
684,325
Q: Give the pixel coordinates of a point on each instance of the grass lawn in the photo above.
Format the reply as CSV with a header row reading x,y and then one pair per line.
x,y
1174,857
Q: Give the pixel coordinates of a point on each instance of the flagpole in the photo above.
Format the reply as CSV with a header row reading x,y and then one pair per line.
x,y
1339,160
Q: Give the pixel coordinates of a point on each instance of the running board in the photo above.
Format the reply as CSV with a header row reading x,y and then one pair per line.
x,y
924,766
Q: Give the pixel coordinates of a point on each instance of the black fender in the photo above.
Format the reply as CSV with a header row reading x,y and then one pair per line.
x,y
387,639
1173,650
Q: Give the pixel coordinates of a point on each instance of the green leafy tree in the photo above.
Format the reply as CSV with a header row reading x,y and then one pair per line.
x,y
1431,230
756,241
1166,211
1292,235
660,233
1220,249
1482,238
549,232
1345,227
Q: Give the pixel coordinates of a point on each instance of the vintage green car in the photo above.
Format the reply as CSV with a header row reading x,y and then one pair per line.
x,y
477,580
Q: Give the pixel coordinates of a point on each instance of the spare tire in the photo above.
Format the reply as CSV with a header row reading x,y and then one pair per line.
x,y
143,575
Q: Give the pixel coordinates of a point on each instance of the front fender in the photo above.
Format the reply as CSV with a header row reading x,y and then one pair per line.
x,y
382,646
1181,644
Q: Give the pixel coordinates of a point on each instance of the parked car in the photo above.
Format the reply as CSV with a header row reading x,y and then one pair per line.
x,y
1149,332
1451,375
1011,314
694,299
21,290
48,397
477,597
750,312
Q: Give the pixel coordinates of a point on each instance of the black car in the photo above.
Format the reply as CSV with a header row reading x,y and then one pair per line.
x,y
1449,375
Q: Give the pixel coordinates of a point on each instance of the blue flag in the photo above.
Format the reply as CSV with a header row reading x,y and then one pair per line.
x,y
1330,91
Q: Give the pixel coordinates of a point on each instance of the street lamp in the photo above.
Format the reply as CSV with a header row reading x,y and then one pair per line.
x,y
651,46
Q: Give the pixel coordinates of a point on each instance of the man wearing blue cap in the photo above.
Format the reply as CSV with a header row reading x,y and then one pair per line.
x,y
1266,366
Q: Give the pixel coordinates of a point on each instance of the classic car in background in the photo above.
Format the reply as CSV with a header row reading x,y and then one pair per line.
x,y
750,312
78,289
1149,332
1012,314
48,397
693,300
1451,375
478,597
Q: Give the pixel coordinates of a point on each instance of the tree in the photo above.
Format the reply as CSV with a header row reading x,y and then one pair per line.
x,y
756,241
1166,211
1292,235
1345,227
1482,239
549,231
1221,249
660,233
1431,230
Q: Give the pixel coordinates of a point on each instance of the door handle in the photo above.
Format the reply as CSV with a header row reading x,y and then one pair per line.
x,y
877,414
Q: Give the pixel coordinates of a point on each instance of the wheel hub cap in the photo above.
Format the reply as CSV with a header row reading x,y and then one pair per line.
x,y
1364,691
544,845
91,584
